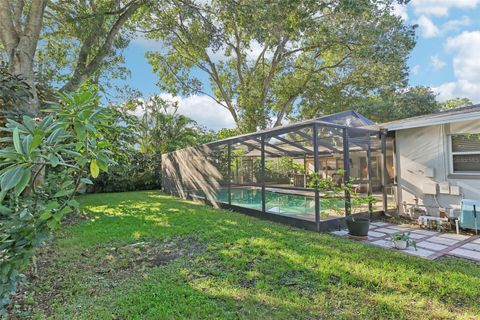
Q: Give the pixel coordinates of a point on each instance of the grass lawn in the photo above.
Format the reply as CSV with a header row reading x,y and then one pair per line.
x,y
145,255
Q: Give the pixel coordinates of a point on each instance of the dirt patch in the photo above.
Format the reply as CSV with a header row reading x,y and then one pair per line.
x,y
74,218
101,268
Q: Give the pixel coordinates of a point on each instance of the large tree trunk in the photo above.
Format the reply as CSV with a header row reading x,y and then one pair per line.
x,y
20,64
19,37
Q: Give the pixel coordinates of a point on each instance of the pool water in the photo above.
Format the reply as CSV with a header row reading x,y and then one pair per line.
x,y
281,203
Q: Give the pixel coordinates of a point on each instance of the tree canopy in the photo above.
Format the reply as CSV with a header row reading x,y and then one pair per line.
x,y
65,43
263,58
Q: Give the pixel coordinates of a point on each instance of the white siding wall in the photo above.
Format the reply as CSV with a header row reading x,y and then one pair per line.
x,y
417,150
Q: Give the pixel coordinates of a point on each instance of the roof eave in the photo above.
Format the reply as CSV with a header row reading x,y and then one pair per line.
x,y
431,122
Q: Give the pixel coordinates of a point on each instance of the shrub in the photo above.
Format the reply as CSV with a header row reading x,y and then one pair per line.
x,y
41,166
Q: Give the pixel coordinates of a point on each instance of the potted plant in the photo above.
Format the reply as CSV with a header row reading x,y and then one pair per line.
x,y
402,241
357,226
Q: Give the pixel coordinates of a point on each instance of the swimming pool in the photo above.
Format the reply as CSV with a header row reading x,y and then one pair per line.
x,y
300,206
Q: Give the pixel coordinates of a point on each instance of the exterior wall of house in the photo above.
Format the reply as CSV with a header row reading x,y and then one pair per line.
x,y
418,151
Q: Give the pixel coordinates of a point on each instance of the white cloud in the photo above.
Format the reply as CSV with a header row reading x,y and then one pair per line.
x,y
441,7
456,24
428,28
436,62
204,110
465,47
415,69
149,44
465,63
401,11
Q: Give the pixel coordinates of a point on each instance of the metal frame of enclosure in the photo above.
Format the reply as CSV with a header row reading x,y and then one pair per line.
x,y
266,174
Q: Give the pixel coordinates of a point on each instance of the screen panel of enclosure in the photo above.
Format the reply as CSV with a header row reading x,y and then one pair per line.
x,y
288,163
276,171
365,168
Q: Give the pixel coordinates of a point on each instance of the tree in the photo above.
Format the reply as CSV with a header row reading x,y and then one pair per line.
x,y
396,104
455,103
79,39
20,27
262,57
162,128
92,29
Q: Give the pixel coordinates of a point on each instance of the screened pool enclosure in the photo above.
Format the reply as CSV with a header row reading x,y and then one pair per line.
x,y
269,173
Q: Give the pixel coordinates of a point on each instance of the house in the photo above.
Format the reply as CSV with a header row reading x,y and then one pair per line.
x,y
417,165
436,160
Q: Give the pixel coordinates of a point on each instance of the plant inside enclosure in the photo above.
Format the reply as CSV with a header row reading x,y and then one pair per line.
x,y
42,164
333,189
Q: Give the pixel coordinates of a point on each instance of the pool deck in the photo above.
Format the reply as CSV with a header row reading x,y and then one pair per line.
x,y
430,244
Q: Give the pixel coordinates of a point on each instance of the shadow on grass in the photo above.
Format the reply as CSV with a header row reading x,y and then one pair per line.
x,y
258,269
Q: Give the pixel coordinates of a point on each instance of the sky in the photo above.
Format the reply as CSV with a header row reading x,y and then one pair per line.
x,y
446,58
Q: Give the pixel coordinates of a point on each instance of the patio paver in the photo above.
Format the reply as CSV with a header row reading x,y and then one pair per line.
x,y
454,236
464,253
424,232
387,230
380,223
430,244
471,246
376,234
441,240
417,236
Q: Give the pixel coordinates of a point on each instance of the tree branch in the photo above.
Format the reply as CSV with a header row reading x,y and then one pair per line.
x,y
81,74
33,27
8,33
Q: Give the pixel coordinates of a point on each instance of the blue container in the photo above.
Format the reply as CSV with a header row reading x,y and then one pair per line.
x,y
467,216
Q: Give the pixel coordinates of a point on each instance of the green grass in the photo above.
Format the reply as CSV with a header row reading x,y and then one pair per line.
x,y
145,255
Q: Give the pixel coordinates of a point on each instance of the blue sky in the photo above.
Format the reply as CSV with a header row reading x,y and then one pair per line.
x,y
448,46
446,58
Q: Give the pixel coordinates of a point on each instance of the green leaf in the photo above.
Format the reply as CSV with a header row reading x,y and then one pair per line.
x,y
66,184
36,141
52,224
29,123
73,203
60,214
94,169
12,177
26,143
45,215
5,210
51,205
16,141
23,182
53,160
86,181
63,193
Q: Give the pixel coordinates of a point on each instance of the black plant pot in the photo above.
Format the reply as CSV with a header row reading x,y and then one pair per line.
x,y
357,226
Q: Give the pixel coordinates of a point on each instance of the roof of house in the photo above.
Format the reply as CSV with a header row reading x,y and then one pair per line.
x,y
442,117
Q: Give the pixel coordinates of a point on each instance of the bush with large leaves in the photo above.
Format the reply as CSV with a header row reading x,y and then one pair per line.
x,y
41,167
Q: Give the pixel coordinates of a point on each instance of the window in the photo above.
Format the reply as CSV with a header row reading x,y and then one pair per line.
x,y
465,153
